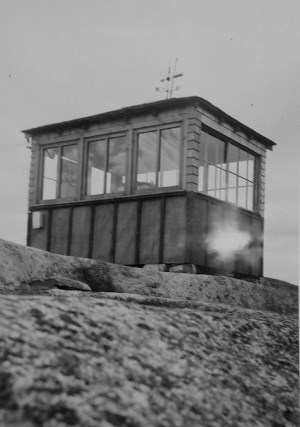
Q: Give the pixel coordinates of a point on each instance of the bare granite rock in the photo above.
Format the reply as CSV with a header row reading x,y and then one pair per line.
x,y
22,267
99,362
91,344
59,282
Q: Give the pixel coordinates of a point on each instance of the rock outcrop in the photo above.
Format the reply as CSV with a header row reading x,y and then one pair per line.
x,y
87,343
29,270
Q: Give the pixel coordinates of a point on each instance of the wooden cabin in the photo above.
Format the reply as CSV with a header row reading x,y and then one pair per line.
x,y
156,183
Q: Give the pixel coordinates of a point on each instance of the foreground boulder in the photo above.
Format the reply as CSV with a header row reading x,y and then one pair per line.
x,y
92,344
29,270
94,361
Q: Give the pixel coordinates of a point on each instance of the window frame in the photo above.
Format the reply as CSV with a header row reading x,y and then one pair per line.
x,y
104,137
256,158
158,129
60,145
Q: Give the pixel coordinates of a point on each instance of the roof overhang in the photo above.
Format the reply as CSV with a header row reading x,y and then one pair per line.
x,y
157,106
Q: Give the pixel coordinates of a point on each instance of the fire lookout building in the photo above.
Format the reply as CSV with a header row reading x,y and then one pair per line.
x,y
149,184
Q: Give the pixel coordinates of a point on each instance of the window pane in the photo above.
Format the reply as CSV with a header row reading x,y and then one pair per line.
x,y
243,161
147,158
232,195
221,184
211,181
96,167
50,173
169,157
215,150
221,154
251,163
222,194
116,173
69,164
232,184
218,178
201,176
212,149
223,179
250,199
232,158
232,180
242,193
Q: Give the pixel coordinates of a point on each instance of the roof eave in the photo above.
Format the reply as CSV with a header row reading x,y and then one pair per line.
x,y
141,108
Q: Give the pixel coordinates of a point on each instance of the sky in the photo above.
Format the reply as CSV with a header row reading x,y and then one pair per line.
x,y
65,59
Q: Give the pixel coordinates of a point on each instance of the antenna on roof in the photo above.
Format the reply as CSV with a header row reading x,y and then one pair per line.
x,y
168,82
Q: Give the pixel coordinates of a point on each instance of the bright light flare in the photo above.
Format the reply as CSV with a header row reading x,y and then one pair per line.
x,y
227,242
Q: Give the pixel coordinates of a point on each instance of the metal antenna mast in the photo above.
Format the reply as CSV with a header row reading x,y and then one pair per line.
x,y
168,82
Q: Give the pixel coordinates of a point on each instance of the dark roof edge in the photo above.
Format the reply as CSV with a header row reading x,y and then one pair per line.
x,y
158,105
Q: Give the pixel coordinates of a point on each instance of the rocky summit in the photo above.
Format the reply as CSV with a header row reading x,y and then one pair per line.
x,y
92,344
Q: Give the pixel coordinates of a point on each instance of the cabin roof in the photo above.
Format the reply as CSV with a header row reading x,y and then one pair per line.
x,y
196,101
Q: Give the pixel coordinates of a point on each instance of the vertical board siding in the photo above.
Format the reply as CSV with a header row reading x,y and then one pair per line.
x,y
126,233
214,226
243,255
230,221
60,231
103,232
80,232
175,230
170,229
196,225
39,237
257,247
150,232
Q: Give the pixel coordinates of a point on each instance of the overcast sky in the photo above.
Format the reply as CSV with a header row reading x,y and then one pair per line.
x,y
64,59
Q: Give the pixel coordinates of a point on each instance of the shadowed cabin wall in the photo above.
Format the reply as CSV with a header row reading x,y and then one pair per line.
x,y
142,230
164,227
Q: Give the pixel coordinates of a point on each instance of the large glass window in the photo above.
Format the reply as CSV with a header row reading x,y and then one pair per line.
x,y
50,173
106,166
69,164
212,169
60,168
226,171
158,158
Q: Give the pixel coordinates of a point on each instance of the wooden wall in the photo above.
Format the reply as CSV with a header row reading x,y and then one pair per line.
x,y
169,228
140,230
207,218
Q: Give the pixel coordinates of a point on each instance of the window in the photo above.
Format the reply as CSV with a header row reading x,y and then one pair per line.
x,y
106,166
60,172
226,172
158,157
